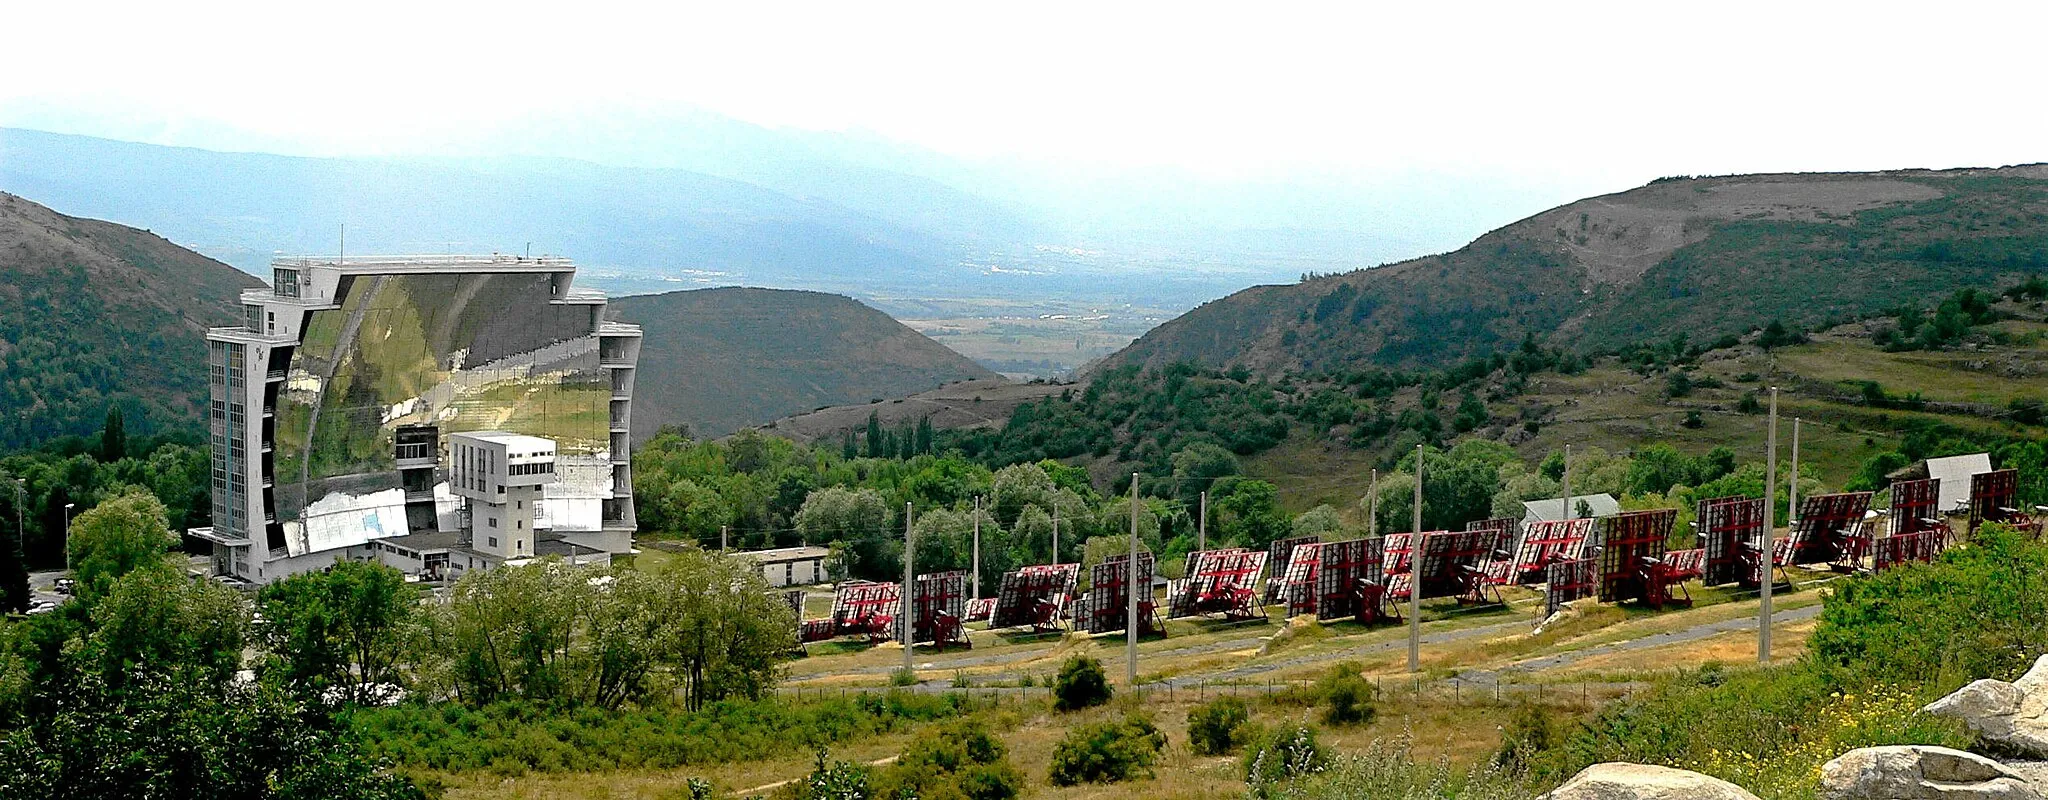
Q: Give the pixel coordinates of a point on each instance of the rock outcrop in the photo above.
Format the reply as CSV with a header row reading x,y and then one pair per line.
x,y
1920,772
1623,781
2011,717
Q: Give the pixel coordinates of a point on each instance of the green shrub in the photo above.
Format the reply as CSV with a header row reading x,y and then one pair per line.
x,y
1346,696
902,677
1080,684
1283,755
1531,731
954,761
1978,611
1106,752
834,780
1217,727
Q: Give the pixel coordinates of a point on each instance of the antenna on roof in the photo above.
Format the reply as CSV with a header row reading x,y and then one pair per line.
x,y
343,256
529,249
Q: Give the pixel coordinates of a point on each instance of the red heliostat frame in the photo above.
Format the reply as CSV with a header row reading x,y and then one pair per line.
x,y
869,609
1106,604
1298,587
938,604
1726,525
1034,596
1915,506
1349,581
1548,541
1221,581
1831,529
1630,542
1278,555
1994,497
1447,557
1567,579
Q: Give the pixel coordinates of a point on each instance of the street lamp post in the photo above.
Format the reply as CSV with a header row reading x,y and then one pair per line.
x,y
67,535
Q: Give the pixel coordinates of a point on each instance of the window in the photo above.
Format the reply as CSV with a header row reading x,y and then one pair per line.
x,y
519,545
494,542
789,573
494,523
520,524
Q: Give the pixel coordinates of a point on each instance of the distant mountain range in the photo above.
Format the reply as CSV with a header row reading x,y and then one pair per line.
x,y
724,359
243,207
95,315
1693,257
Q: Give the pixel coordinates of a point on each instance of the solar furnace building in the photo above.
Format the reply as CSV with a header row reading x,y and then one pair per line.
x,y
338,410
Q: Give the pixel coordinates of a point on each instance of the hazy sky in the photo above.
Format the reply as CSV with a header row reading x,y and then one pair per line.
x,y
1628,90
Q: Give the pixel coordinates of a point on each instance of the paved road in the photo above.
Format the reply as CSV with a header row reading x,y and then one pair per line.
x,y
1680,636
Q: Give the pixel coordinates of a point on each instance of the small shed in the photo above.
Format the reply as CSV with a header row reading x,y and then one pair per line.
x,y
791,566
1552,509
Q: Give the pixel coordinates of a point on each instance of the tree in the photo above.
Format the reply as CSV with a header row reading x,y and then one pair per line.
x,y
1198,466
14,591
113,438
344,628
1250,513
859,521
875,435
693,510
168,736
1321,521
1081,683
115,538
157,618
1033,536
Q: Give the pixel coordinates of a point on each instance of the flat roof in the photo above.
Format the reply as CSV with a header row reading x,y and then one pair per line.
x,y
495,262
424,541
781,554
507,438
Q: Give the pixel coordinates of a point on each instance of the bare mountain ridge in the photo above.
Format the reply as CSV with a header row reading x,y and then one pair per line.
x,y
1696,256
723,359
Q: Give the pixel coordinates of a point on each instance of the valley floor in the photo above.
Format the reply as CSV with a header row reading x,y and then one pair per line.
x,y
1477,664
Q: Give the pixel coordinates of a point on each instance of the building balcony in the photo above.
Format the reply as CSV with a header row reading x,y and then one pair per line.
x,y
274,375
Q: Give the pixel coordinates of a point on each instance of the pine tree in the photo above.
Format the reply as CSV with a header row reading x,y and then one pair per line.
x,y
849,449
924,434
874,435
113,438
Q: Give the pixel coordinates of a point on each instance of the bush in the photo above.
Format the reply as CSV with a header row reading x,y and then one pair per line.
x,y
1287,753
1346,696
1532,731
1106,752
954,761
1217,727
1978,611
1081,684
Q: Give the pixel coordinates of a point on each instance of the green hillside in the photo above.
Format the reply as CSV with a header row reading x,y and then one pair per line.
x,y
723,359
1694,257
94,315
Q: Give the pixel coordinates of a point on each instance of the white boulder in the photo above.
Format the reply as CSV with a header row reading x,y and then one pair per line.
x,y
2009,716
1624,781
1920,772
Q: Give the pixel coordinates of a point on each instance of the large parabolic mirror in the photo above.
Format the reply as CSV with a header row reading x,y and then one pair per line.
x,y
462,352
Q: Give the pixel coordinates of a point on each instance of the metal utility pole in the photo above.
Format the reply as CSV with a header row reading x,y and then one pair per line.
x,y
1415,575
20,519
909,587
67,535
1372,506
1767,558
975,577
1570,513
1131,593
1792,478
1055,532
1202,525
722,531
